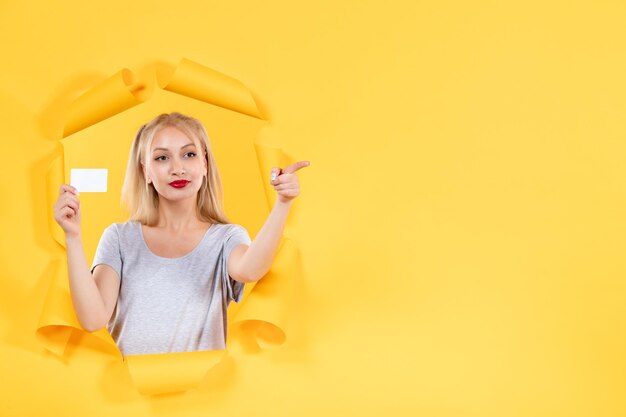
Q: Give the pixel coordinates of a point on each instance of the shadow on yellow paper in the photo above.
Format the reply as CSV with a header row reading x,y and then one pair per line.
x,y
98,132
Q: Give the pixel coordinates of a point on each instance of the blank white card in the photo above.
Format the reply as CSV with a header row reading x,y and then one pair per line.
x,y
89,180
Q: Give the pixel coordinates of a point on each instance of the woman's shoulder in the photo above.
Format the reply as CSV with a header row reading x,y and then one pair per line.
x,y
227,226
123,230
227,229
123,226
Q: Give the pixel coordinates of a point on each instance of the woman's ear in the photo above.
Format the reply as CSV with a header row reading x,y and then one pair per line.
x,y
143,168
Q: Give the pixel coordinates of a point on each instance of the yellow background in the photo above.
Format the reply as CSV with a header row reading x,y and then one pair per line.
x,y
461,225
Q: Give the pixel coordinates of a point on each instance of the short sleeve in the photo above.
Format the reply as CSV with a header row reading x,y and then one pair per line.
x,y
236,236
108,251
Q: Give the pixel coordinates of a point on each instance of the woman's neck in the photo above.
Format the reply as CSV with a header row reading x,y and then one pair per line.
x,y
177,216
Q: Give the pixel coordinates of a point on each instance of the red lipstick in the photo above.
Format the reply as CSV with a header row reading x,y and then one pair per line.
x,y
179,183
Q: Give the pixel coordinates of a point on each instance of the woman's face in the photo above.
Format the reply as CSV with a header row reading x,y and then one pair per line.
x,y
177,165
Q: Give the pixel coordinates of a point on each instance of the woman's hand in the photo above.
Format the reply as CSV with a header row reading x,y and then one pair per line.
x,y
285,181
67,210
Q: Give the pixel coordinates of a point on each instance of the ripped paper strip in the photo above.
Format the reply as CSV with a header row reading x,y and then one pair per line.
x,y
115,109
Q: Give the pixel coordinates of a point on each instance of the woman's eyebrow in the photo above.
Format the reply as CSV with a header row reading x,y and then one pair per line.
x,y
166,149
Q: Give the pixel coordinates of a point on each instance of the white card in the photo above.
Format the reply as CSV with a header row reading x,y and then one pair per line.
x,y
89,180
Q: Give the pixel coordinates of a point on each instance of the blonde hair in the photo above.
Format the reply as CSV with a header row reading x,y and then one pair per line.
x,y
142,199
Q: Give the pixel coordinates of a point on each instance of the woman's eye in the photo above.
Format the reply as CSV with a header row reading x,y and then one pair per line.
x,y
160,158
190,154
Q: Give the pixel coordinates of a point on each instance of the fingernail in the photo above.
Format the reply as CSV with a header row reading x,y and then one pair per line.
x,y
273,176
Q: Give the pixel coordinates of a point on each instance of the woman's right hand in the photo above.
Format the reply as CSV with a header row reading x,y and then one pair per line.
x,y
67,210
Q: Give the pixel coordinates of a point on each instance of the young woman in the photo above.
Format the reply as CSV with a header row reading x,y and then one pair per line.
x,y
162,281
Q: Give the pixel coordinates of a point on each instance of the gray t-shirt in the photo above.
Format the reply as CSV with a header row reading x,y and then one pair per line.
x,y
170,304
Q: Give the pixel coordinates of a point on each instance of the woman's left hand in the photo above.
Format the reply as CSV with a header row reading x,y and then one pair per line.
x,y
286,181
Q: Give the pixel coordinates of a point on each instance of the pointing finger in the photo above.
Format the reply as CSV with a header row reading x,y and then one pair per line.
x,y
294,167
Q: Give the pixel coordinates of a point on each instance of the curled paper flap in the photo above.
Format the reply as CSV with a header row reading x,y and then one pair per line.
x,y
54,179
115,103
202,83
261,320
112,96
58,320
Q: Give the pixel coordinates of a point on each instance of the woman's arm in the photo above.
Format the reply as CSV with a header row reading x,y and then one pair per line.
x,y
92,309
251,263
93,296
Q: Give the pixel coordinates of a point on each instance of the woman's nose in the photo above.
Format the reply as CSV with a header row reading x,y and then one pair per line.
x,y
178,167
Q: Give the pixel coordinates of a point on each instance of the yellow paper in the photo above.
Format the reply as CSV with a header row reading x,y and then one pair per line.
x,y
194,80
262,318
54,179
174,372
107,99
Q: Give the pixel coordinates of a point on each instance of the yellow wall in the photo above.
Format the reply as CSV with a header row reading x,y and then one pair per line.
x,y
461,226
